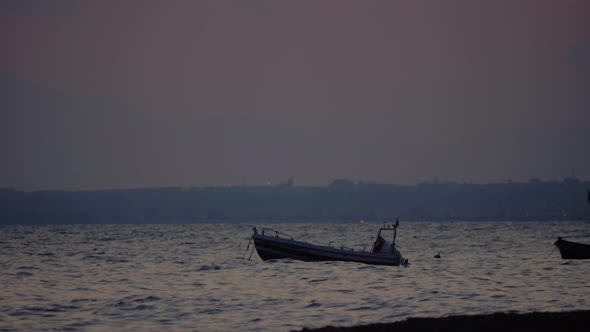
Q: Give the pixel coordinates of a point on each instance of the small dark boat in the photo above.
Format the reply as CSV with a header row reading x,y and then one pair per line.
x,y
271,244
572,250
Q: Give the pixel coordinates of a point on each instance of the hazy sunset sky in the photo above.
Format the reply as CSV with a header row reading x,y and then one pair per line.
x,y
133,94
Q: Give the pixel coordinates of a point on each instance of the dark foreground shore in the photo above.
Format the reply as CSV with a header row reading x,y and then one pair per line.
x,y
499,322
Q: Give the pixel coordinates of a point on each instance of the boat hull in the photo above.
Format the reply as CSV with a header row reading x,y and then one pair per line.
x,y
573,250
269,247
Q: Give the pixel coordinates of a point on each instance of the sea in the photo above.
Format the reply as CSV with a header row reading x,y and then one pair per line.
x,y
205,277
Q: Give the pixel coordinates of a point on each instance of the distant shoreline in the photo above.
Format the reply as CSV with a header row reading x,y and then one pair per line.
x,y
537,321
341,201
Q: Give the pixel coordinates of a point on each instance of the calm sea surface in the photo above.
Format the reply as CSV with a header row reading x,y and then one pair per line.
x,y
193,277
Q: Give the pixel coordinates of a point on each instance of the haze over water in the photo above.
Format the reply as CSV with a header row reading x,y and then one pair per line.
x,y
192,277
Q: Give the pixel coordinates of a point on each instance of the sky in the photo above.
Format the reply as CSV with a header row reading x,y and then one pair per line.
x,y
135,94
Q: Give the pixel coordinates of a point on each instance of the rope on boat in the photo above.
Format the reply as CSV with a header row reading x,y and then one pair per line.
x,y
552,251
251,252
248,247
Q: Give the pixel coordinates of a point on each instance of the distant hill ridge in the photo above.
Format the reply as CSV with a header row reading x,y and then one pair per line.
x,y
341,201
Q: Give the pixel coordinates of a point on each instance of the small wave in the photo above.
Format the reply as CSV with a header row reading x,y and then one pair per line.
x,y
136,302
313,304
83,300
281,260
379,287
93,257
344,291
37,310
481,279
117,260
211,311
76,326
330,263
24,274
364,308
208,268
141,307
147,299
136,298
105,239
368,267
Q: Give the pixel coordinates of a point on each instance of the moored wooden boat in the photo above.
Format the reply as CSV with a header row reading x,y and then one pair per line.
x,y
271,244
572,250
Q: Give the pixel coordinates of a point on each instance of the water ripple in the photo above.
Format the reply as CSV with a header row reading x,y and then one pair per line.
x,y
191,277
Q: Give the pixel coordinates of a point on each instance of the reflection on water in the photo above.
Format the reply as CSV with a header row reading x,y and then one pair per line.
x,y
192,277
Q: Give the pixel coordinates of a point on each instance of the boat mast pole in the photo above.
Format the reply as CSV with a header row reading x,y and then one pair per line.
x,y
395,230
